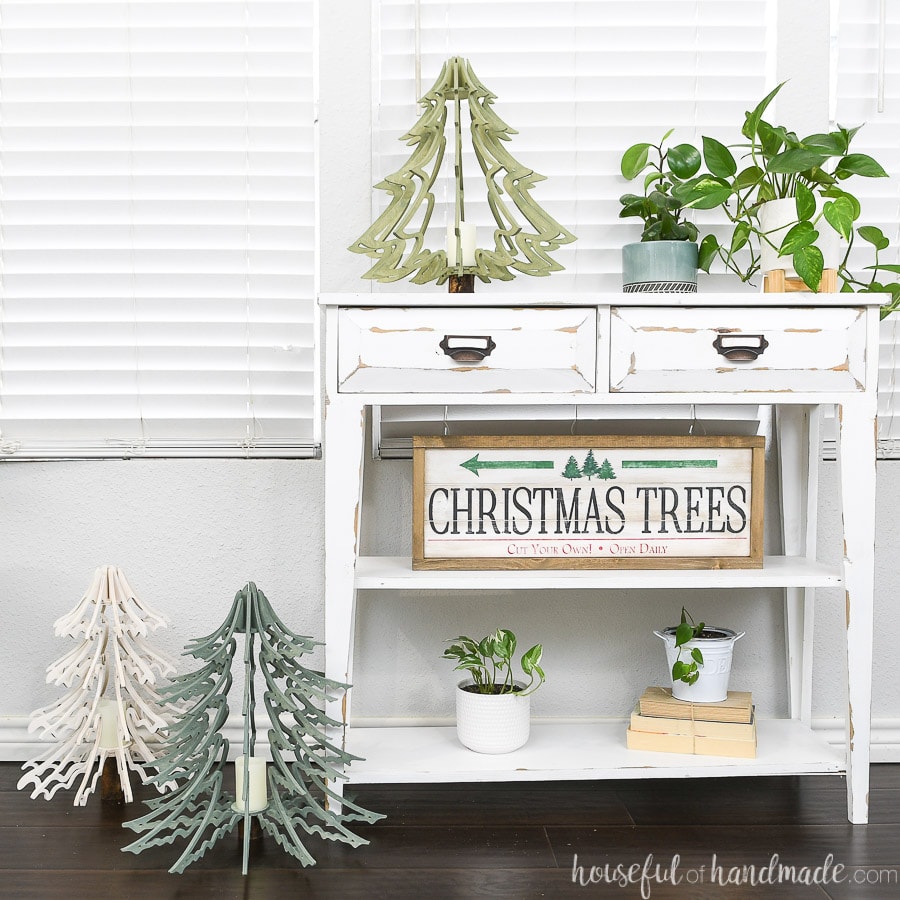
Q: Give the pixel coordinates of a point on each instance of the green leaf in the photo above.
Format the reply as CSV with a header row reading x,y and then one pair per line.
x,y
809,264
707,251
793,161
748,177
707,193
806,203
740,236
848,133
719,159
752,118
683,633
874,236
836,193
684,160
634,159
697,656
504,644
834,143
766,192
651,177
771,139
531,658
859,164
801,235
886,267
470,662
839,215
679,670
818,175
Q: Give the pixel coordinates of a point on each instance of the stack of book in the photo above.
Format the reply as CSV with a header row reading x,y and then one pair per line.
x,y
660,722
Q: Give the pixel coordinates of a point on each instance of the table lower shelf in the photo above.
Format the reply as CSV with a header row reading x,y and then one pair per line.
x,y
574,752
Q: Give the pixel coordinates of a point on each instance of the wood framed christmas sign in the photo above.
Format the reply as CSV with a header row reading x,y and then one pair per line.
x,y
565,502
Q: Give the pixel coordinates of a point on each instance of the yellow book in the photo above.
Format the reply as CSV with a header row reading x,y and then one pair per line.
x,y
737,707
730,731
693,744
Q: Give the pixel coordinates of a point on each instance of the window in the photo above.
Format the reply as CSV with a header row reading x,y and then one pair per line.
x,y
581,81
157,185
866,89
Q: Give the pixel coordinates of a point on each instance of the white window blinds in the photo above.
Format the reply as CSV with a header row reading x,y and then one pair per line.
x,y
866,85
157,228
580,81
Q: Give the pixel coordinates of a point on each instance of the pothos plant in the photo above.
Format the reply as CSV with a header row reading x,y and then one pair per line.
x,y
687,668
489,662
666,169
777,164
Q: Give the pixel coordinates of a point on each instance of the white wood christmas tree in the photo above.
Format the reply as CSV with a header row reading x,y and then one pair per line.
x,y
111,709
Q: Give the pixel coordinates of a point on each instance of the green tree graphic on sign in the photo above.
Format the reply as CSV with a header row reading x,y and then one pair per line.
x,y
590,467
606,470
571,470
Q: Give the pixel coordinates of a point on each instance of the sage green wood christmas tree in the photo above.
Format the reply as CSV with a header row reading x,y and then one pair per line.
x,y
292,801
524,236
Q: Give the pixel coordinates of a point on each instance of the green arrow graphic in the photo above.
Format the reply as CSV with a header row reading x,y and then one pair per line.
x,y
474,464
669,463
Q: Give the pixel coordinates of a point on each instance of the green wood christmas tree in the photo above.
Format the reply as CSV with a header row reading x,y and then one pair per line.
x,y
524,236
288,797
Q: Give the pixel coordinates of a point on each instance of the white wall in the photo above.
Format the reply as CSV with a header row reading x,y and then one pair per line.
x,y
190,533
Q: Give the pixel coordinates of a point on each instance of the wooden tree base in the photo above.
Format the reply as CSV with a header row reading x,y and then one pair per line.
x,y
461,284
777,283
111,784
256,832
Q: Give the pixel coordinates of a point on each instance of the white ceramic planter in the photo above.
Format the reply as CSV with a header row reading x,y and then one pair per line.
x,y
776,218
712,685
492,723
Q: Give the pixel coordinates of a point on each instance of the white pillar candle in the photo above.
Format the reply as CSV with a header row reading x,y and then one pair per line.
x,y
467,233
259,796
109,724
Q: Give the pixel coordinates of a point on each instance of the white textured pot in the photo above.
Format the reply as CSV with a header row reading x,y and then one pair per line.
x,y
492,723
712,684
776,218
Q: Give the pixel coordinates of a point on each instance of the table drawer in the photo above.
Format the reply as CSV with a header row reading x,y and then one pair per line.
x,y
418,350
737,349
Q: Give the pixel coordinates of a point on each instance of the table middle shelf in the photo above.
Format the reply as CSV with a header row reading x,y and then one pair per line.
x,y
396,573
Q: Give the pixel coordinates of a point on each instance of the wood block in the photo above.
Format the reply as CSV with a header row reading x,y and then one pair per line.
x,y
730,731
696,745
658,701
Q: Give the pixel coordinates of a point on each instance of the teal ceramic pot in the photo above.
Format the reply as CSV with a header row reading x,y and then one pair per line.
x,y
660,267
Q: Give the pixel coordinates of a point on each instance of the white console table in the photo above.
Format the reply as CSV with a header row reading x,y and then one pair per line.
x,y
613,350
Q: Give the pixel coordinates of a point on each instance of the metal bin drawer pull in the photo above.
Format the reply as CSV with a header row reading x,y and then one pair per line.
x,y
740,347
467,348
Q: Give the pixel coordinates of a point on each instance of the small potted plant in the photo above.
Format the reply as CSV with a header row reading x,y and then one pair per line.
x,y
493,710
665,259
699,659
787,200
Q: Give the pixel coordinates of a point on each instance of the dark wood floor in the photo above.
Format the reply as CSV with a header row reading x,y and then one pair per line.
x,y
462,841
